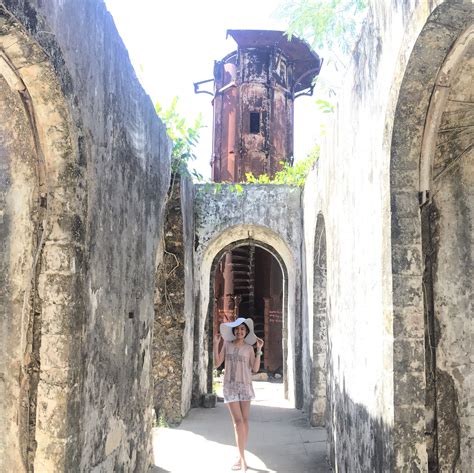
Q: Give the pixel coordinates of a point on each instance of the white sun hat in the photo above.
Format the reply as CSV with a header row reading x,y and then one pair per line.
x,y
228,336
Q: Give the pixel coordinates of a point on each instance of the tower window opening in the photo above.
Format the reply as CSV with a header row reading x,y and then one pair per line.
x,y
254,122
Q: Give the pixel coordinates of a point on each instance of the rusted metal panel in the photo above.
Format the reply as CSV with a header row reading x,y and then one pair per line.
x,y
296,50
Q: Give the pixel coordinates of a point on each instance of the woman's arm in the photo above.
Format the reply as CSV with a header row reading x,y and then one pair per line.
x,y
258,356
218,350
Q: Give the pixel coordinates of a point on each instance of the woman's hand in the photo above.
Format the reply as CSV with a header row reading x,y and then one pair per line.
x,y
218,350
217,339
256,363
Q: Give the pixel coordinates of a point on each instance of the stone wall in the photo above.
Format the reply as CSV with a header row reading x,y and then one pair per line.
x,y
266,215
174,314
431,240
17,231
316,399
86,172
368,188
42,249
349,189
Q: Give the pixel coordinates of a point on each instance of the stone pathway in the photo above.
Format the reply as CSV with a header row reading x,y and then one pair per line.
x,y
280,439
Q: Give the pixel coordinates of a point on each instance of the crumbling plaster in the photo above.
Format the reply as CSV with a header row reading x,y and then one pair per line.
x,y
100,194
430,156
366,186
349,187
45,207
18,182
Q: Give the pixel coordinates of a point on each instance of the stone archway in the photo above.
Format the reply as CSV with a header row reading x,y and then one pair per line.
x,y
432,176
268,306
318,413
279,249
447,183
42,212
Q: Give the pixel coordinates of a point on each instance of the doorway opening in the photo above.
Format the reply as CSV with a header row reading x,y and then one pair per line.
x,y
248,280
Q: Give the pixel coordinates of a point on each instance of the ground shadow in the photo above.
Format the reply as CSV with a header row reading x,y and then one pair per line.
x,y
280,438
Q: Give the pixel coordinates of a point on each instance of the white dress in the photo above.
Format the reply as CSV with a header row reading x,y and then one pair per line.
x,y
238,372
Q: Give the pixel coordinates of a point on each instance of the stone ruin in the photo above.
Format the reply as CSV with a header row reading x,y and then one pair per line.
x,y
107,266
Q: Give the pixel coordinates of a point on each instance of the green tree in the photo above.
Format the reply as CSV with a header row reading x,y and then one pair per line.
x,y
324,23
185,137
330,25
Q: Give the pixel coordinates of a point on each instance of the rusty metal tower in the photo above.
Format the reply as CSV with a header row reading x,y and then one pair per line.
x,y
253,100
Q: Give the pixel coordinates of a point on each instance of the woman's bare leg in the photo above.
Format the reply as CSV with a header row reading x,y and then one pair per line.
x,y
245,409
239,429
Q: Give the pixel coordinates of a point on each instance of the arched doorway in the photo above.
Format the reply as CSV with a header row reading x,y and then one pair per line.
x,y
42,213
432,244
206,257
319,360
247,281
447,209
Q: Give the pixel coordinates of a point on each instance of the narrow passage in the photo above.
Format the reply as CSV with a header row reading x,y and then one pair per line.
x,y
280,439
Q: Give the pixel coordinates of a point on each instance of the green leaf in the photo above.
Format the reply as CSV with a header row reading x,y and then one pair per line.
x,y
185,138
325,106
289,175
324,23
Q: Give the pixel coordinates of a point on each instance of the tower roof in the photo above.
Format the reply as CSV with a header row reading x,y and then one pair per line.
x,y
306,62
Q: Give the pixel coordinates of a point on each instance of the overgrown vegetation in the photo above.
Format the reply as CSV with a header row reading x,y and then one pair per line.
x,y
184,137
161,422
327,24
289,175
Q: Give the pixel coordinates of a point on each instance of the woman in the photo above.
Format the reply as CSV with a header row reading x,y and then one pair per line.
x,y
238,339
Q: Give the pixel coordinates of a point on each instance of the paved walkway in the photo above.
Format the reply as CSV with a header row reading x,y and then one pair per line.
x,y
280,440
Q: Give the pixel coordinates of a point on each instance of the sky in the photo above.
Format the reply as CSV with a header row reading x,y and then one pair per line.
x,y
173,43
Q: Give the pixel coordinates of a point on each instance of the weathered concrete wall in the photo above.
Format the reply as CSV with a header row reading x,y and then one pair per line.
x,y
42,247
82,203
452,238
268,215
366,186
187,207
17,228
174,309
349,188
431,156
316,372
